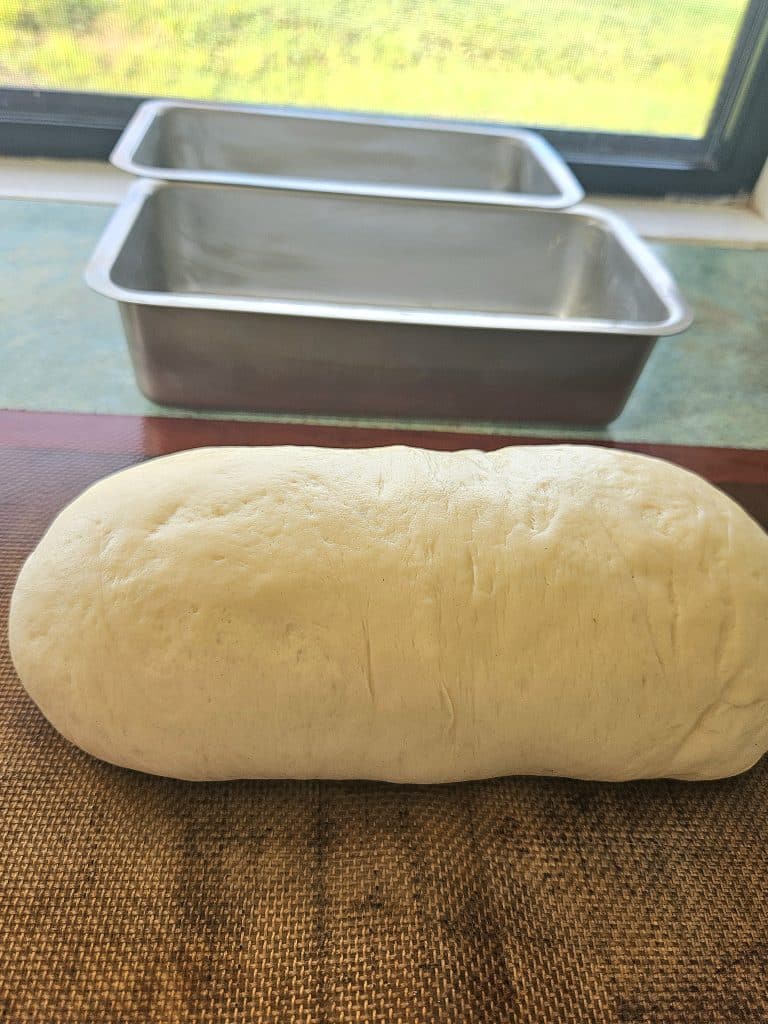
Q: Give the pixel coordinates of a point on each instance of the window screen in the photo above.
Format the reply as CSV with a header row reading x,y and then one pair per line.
x,y
629,66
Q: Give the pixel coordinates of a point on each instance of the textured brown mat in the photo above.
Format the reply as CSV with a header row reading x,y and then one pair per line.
x,y
129,898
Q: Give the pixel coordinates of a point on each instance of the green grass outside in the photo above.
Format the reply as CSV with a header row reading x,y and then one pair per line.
x,y
629,65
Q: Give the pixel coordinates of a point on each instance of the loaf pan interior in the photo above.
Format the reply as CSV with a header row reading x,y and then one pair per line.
x,y
246,146
556,268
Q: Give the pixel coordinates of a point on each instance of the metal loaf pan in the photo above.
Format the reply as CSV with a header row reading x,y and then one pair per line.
x,y
233,145
303,302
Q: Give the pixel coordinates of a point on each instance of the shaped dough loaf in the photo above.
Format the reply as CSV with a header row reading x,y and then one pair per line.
x,y
401,614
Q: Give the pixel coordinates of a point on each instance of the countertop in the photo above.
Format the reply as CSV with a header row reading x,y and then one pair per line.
x,y
141,899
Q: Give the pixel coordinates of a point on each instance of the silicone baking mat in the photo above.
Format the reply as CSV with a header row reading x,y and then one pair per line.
x,y
129,898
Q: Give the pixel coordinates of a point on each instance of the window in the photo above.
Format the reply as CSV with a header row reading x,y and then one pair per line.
x,y
649,96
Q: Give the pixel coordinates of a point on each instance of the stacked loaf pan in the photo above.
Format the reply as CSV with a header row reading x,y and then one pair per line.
x,y
355,266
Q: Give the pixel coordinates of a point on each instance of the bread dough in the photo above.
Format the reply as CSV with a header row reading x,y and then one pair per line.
x,y
400,614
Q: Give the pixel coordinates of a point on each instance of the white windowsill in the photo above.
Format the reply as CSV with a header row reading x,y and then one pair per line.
x,y
715,223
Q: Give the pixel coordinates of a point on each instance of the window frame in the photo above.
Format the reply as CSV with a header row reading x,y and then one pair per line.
x,y
726,161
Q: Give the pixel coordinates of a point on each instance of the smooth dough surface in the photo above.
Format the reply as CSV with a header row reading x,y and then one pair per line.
x,y
402,614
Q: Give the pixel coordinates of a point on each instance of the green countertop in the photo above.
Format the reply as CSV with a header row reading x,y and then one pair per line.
x,y
62,347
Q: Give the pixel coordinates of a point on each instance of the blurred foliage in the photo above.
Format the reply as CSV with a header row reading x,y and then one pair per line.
x,y
631,65
42,15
